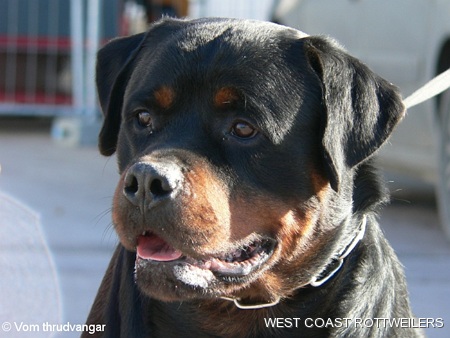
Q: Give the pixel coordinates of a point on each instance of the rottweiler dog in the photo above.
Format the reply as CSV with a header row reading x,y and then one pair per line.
x,y
247,201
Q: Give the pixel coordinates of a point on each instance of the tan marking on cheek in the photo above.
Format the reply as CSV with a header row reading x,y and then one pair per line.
x,y
225,96
320,185
206,210
268,216
296,230
299,221
299,224
164,97
292,224
254,215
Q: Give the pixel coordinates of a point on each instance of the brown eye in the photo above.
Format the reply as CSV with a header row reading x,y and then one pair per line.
x,y
243,130
144,119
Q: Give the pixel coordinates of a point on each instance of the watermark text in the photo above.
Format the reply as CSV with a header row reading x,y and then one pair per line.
x,y
354,322
49,327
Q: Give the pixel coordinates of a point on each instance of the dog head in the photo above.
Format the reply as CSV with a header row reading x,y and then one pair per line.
x,y
237,143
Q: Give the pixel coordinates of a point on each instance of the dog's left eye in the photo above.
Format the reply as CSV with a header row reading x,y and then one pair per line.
x,y
145,119
243,130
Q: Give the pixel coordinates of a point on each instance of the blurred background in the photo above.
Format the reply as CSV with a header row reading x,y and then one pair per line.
x,y
49,120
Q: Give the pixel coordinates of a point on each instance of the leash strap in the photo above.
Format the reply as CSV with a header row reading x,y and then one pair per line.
x,y
432,88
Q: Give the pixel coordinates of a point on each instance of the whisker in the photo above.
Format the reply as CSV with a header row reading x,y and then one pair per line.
x,y
109,232
100,216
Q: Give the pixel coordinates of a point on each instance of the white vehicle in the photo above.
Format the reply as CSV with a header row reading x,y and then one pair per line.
x,y
408,43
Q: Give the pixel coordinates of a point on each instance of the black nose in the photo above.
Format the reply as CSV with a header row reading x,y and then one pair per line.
x,y
148,184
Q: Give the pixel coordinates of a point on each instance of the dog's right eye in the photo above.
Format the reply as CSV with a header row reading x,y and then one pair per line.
x,y
243,130
145,119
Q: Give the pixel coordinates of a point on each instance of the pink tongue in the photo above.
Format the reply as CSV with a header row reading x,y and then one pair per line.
x,y
155,248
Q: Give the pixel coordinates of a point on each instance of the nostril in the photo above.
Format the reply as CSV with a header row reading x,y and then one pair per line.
x,y
158,188
131,185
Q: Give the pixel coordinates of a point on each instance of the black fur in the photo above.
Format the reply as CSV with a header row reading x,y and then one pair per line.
x,y
320,115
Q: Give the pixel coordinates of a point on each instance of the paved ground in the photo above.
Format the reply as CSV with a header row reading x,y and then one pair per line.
x,y
71,189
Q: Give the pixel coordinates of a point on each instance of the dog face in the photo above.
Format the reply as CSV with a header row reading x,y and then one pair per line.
x,y
237,143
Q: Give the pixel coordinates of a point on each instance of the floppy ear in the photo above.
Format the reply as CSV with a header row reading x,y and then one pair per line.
x,y
112,74
361,109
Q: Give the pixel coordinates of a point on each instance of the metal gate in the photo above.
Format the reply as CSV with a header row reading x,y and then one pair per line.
x,y
48,47
47,54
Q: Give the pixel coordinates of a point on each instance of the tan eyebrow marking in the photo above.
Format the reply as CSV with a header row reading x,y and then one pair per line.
x,y
225,96
164,97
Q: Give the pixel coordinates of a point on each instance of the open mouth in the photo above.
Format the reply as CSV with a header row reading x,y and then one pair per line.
x,y
239,262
